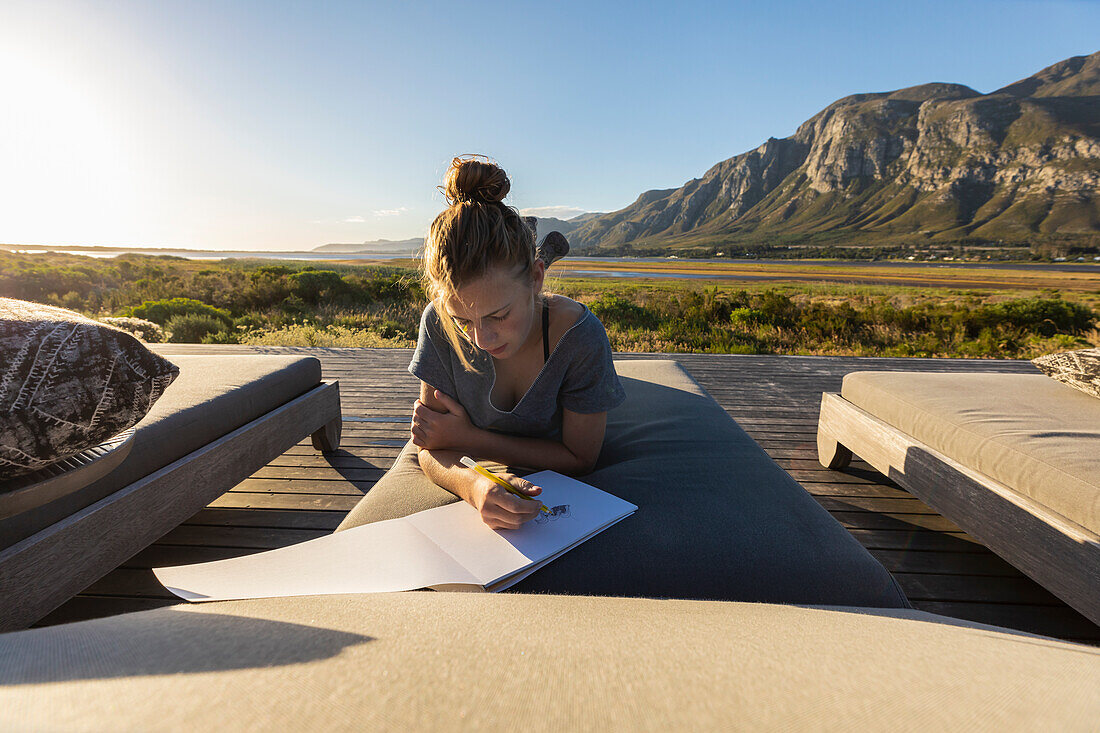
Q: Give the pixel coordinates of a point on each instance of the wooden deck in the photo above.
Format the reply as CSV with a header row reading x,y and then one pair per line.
x,y
302,495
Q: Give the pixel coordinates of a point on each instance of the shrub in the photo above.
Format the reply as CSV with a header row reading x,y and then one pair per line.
x,y
617,311
192,328
146,331
229,336
162,311
1046,316
306,334
313,285
743,316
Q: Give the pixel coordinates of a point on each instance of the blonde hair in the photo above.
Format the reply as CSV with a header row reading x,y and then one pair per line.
x,y
474,234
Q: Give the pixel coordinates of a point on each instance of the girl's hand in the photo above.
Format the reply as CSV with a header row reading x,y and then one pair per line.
x,y
501,510
441,430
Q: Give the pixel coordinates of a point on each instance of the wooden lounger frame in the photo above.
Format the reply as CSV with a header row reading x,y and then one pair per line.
x,y
44,570
1055,552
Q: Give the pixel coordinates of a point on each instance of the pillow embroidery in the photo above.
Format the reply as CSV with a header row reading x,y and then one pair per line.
x,y
1078,369
68,383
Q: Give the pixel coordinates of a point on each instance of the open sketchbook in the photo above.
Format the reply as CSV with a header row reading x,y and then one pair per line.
x,y
448,548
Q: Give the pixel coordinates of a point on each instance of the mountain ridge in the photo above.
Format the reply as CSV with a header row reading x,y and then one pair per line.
x,y
937,161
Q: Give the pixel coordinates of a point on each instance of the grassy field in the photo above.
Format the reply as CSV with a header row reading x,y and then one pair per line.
x,y
755,308
923,276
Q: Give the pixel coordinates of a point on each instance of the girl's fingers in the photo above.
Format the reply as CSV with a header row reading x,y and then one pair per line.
x,y
513,509
450,404
525,486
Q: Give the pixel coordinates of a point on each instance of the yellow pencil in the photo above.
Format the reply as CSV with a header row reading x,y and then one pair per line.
x,y
471,463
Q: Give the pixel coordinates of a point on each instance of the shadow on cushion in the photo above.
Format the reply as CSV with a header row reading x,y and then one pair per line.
x,y
443,661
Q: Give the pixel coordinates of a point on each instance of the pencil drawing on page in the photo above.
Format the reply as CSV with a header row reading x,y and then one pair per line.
x,y
562,510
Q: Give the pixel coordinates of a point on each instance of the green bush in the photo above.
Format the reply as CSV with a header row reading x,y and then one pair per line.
x,y
192,328
620,312
228,336
313,285
146,331
1046,316
307,334
162,311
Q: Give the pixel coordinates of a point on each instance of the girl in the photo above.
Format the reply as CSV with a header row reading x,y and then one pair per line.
x,y
508,374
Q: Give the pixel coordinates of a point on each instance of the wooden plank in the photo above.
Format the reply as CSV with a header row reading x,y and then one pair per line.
x,y
914,539
944,563
84,607
307,456
974,589
125,581
346,473
158,555
888,506
294,502
855,490
1060,622
302,486
278,519
882,520
235,535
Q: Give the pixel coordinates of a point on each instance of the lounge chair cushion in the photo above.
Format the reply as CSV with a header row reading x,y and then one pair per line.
x,y
717,518
68,383
213,396
445,661
1030,433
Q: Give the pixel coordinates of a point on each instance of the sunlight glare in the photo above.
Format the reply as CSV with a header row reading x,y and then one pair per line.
x,y
65,151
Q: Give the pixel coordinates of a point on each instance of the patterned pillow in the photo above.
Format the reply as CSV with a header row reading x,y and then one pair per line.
x,y
68,383
1078,369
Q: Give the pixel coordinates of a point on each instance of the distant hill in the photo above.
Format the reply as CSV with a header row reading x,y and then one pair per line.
x,y
379,246
548,224
938,161
410,246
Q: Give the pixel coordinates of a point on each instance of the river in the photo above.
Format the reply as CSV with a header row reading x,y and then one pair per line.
x,y
581,261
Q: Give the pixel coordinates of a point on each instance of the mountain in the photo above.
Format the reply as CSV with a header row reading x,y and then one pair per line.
x,y
547,224
378,246
936,161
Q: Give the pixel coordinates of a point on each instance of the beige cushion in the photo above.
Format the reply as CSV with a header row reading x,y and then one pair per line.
x,y
1026,431
431,661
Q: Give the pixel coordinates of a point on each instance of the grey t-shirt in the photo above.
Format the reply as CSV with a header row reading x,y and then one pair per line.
x,y
578,376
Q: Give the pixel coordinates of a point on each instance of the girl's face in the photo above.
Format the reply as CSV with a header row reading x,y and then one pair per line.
x,y
497,311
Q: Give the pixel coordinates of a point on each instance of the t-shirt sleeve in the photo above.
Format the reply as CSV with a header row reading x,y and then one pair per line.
x,y
431,361
591,384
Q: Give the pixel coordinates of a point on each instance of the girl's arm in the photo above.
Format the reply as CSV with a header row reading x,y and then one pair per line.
x,y
440,423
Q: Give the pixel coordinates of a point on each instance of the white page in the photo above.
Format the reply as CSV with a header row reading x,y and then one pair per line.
x,y
507,581
380,557
460,532
438,547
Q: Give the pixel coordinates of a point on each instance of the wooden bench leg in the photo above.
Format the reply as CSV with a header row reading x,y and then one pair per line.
x,y
830,453
327,439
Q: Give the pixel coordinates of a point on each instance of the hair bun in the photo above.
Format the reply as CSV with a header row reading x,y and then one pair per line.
x,y
475,178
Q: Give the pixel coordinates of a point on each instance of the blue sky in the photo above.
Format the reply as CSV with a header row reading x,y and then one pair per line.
x,y
286,125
